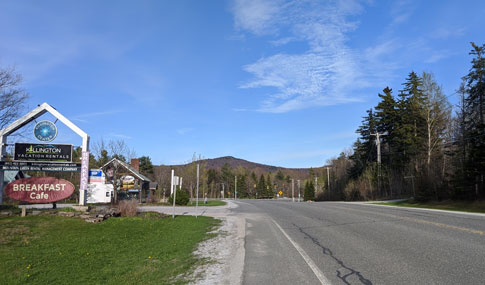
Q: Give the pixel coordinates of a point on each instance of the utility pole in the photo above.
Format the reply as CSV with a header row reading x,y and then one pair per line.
x,y
174,193
298,181
378,142
293,189
316,182
235,187
197,198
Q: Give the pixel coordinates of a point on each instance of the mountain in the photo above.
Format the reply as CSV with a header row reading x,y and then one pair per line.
x,y
217,163
257,168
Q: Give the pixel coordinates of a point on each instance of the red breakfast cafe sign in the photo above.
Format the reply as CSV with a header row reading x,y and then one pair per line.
x,y
39,189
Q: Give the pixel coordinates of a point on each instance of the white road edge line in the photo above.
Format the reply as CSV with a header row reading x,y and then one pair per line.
x,y
308,260
424,209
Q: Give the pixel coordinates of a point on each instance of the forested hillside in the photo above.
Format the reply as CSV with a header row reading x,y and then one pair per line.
x,y
253,179
428,149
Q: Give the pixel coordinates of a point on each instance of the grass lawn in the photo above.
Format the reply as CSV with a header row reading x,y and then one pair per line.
x,y
464,206
61,250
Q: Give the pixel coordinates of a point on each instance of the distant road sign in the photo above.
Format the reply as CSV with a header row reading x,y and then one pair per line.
x,y
281,192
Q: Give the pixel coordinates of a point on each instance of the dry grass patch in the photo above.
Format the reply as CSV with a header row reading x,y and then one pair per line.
x,y
128,208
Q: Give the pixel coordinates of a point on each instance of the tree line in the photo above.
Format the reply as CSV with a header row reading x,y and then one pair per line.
x,y
426,151
226,180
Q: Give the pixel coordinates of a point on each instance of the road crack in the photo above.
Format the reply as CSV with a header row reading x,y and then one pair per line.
x,y
340,272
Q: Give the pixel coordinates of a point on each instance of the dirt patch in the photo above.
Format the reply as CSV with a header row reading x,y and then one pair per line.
x,y
7,235
225,254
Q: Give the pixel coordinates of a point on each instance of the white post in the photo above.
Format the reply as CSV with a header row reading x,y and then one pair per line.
x,y
378,142
3,151
83,186
299,195
173,195
316,188
293,190
197,195
171,184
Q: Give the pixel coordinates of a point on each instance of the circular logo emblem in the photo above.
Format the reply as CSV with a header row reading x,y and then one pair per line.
x,y
45,131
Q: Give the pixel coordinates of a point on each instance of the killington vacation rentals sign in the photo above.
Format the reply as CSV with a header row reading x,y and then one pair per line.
x,y
43,152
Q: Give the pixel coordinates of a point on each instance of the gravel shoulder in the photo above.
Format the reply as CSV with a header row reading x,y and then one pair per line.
x,y
225,252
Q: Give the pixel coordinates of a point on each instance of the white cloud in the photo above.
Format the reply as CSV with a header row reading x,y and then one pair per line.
x,y
326,74
438,55
381,49
304,80
445,33
257,16
83,118
401,11
121,136
282,41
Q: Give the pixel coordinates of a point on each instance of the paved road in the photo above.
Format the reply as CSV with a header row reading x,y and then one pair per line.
x,y
345,243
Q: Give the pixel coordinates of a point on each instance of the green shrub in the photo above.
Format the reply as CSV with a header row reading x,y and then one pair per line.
x,y
181,198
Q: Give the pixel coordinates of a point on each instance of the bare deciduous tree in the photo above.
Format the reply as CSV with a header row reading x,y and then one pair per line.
x,y
115,149
119,148
12,97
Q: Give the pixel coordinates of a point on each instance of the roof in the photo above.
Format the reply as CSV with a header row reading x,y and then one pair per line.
x,y
11,175
153,185
127,167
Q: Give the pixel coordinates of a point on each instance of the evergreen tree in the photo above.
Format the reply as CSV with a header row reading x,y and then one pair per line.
x,y
288,179
269,186
146,166
364,147
227,177
242,190
261,187
387,118
309,192
411,126
212,176
280,176
474,105
311,172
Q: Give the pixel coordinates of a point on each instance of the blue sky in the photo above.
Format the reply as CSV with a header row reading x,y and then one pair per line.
x,y
275,82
